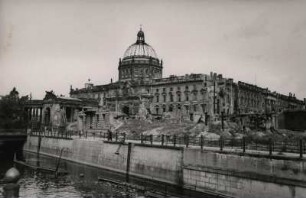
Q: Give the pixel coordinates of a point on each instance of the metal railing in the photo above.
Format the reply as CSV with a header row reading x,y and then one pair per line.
x,y
242,145
51,132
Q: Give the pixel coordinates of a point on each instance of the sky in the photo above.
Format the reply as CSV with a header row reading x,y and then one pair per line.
x,y
52,44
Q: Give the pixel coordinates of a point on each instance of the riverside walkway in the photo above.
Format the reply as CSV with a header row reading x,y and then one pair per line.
x,y
293,149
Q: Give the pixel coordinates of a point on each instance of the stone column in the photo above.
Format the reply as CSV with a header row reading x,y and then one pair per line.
x,y
33,113
36,113
84,125
29,114
40,116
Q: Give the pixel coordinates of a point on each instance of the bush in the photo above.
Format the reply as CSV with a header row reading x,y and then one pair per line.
x,y
11,111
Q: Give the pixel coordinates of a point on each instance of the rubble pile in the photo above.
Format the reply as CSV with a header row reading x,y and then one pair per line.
x,y
170,125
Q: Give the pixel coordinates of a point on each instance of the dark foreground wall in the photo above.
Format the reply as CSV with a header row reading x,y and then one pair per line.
x,y
11,144
205,171
292,120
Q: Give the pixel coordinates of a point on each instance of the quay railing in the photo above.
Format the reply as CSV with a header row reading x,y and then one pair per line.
x,y
242,145
52,132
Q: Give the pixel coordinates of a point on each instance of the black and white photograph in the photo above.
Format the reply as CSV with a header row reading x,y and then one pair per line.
x,y
153,99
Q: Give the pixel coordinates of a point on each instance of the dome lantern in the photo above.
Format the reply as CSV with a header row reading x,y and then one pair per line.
x,y
140,37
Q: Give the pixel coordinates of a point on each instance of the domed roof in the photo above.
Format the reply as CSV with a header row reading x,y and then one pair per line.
x,y
140,48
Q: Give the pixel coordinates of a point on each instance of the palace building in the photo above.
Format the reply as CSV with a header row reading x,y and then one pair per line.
x,y
141,86
142,91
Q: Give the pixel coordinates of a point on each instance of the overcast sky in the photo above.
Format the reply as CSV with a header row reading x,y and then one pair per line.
x,y
52,44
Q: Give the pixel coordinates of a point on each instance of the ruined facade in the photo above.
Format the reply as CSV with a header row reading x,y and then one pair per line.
x,y
142,91
141,82
54,113
254,99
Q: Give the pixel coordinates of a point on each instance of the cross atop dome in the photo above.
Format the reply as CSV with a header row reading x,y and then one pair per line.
x,y
140,36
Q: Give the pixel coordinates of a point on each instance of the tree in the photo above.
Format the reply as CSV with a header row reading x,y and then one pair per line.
x,y
11,111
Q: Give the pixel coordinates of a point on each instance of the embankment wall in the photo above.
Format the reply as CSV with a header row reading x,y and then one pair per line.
x,y
154,163
206,171
244,176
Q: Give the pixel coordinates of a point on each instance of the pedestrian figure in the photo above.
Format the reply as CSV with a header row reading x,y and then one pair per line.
x,y
244,129
110,134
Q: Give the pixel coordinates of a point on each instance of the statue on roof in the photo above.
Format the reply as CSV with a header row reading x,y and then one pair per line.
x,y
50,95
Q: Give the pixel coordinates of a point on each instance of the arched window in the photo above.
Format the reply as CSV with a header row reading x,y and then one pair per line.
x,y
157,109
179,98
171,97
157,98
187,108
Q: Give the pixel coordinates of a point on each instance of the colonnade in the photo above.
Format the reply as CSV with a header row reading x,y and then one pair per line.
x,y
34,114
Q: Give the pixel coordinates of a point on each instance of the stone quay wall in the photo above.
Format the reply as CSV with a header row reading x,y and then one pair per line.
x,y
244,176
228,174
149,162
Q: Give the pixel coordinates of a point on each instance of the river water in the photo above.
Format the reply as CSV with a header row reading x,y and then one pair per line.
x,y
81,181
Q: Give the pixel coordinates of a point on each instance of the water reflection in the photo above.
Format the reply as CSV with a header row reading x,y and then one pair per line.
x,y
84,181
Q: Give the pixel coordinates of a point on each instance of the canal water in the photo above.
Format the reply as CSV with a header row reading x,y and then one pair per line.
x,y
82,181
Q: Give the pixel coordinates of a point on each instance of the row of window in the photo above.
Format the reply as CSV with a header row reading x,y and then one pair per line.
x,y
177,88
158,97
254,103
251,102
170,108
178,97
251,96
128,72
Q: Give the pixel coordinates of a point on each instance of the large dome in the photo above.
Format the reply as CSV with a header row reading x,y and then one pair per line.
x,y
140,48
140,62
